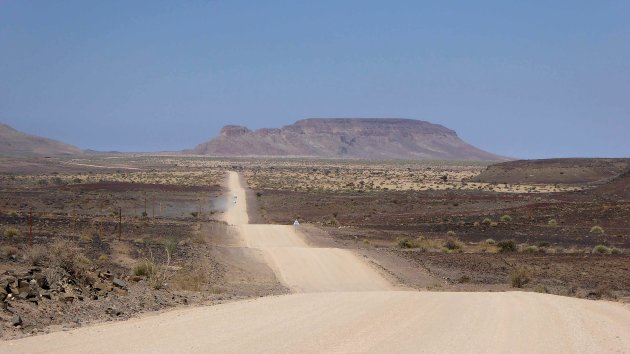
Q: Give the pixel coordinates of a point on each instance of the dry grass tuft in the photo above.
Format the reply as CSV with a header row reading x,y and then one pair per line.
x,y
520,276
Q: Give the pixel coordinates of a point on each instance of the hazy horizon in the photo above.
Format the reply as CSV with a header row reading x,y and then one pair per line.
x,y
533,80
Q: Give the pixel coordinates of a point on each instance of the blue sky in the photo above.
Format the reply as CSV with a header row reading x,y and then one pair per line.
x,y
528,79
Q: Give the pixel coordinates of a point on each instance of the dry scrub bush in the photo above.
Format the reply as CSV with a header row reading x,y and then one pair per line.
x,y
597,230
601,249
66,256
9,251
157,274
421,242
407,243
159,277
453,244
37,255
11,232
520,276
507,246
530,249
552,223
506,218
144,268
170,245
86,235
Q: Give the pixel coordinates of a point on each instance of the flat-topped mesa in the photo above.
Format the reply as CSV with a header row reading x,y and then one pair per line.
x,y
364,138
369,126
234,130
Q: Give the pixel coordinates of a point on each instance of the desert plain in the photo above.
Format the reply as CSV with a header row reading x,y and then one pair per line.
x,y
98,239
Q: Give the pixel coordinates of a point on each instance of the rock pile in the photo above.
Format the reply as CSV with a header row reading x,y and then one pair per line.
x,y
36,286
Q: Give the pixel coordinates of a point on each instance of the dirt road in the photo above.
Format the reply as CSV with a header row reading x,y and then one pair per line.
x,y
341,304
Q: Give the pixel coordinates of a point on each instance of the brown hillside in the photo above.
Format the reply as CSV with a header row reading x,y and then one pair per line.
x,y
15,143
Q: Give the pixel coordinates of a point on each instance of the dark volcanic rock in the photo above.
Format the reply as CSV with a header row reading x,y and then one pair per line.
x,y
346,138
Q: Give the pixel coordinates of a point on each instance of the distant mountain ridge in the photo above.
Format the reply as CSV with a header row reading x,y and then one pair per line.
x,y
16,143
361,138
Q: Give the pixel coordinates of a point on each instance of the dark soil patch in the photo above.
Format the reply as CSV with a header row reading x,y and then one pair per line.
x,y
128,186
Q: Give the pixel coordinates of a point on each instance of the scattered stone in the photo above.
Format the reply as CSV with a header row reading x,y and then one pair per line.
x,y
35,270
113,311
17,320
119,283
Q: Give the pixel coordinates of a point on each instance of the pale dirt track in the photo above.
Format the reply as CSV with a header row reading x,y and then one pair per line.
x,y
343,305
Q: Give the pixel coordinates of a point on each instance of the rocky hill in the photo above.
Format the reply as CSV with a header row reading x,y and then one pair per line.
x,y
15,143
346,138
